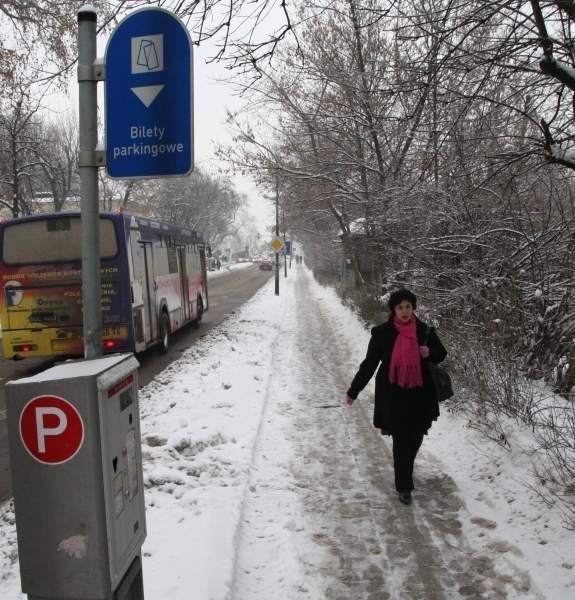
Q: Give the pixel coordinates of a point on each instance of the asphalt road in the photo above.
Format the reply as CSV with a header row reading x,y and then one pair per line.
x,y
227,292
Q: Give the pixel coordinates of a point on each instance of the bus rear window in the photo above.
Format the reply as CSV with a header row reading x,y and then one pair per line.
x,y
52,240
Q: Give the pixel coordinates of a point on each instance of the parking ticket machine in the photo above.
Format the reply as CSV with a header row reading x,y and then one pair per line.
x,y
75,454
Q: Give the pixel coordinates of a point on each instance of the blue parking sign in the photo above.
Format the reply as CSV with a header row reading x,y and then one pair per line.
x,y
149,96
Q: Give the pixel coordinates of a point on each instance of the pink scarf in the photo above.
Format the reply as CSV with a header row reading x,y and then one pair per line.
x,y
405,366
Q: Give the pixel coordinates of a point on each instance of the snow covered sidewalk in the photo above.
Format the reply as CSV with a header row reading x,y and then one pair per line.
x,y
260,484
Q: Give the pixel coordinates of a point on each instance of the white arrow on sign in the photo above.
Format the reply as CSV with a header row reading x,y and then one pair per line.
x,y
148,93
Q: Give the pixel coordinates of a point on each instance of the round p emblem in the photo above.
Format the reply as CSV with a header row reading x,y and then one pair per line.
x,y
51,429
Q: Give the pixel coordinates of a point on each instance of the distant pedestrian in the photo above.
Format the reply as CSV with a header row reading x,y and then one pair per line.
x,y
405,403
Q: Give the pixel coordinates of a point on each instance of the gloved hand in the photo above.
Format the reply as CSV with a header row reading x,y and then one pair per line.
x,y
424,351
349,401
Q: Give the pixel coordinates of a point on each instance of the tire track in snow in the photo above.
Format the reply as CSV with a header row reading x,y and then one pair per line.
x,y
267,564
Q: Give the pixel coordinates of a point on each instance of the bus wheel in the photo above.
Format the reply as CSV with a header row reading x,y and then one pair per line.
x,y
165,333
196,322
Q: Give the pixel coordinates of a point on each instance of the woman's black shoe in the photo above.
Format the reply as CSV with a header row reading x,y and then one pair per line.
x,y
405,497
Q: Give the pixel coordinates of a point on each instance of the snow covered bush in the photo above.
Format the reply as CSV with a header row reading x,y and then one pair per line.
x,y
554,428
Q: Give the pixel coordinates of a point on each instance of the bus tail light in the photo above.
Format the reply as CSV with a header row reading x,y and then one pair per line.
x,y
110,344
25,348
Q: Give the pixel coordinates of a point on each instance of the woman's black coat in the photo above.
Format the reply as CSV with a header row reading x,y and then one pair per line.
x,y
399,409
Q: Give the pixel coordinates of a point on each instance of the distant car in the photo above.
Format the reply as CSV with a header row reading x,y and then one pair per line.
x,y
266,265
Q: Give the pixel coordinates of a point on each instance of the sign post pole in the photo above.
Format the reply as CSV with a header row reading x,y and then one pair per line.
x,y
277,265
285,256
88,115
277,245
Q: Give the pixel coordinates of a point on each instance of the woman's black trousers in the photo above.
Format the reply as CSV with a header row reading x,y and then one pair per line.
x,y
405,447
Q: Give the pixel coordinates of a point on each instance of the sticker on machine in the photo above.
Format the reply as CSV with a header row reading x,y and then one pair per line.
x,y
132,463
51,429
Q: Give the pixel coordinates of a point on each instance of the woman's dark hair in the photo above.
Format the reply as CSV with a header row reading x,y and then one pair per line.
x,y
399,296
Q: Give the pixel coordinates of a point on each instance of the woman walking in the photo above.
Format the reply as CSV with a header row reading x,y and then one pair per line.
x,y
405,403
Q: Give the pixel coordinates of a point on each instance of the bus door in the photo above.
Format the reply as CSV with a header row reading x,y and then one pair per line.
x,y
184,282
143,294
204,275
150,304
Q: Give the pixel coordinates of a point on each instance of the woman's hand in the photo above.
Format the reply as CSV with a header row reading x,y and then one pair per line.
x,y
424,351
349,401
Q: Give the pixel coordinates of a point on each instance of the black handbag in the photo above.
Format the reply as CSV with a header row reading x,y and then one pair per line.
x,y
441,382
440,377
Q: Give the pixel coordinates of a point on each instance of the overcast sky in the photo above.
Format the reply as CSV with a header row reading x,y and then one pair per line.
x,y
212,97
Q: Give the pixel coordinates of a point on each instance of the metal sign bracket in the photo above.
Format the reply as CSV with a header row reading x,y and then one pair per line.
x,y
93,72
92,158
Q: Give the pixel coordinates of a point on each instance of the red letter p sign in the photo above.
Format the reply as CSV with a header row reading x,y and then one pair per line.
x,y
51,429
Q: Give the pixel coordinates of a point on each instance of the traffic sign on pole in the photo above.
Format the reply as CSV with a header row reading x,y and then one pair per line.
x,y
276,244
51,429
149,96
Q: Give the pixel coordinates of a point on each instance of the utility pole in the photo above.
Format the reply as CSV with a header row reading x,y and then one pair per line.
x,y
88,114
284,248
277,282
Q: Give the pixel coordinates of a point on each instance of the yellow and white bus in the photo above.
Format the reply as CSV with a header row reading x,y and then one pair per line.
x,y
153,278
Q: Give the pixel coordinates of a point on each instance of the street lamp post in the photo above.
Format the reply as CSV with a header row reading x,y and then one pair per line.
x,y
277,279
88,170
284,248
